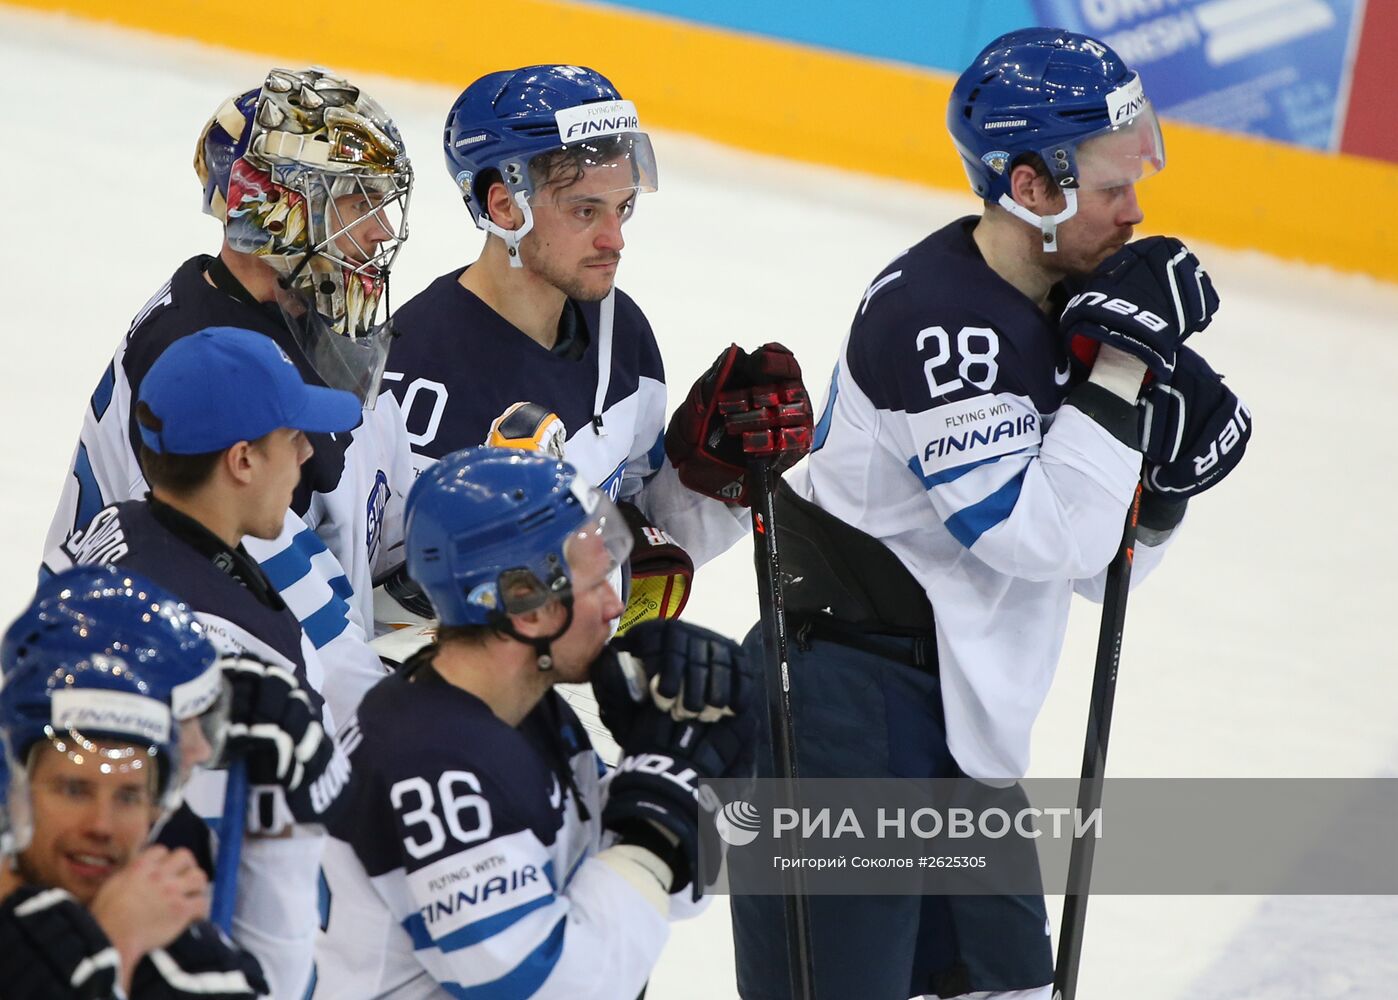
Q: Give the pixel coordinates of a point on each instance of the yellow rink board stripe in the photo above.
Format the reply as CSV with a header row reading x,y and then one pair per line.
x,y
799,102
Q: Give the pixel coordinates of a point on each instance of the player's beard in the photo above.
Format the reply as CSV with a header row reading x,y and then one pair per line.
x,y
577,283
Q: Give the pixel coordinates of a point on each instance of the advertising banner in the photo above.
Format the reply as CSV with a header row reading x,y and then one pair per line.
x,y
1273,68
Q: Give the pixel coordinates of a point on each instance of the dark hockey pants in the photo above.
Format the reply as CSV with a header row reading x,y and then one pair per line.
x,y
861,715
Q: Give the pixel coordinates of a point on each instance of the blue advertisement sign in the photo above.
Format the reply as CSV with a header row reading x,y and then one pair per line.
x,y
1273,68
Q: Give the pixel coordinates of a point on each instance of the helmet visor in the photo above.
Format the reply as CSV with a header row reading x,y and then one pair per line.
x,y
1114,157
591,554
603,151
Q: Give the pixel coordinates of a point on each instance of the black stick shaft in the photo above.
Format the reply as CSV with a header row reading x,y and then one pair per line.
x,y
769,596
1094,758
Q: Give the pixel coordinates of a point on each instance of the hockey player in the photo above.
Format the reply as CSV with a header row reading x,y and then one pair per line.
x,y
310,180
487,852
50,945
224,418
973,467
95,752
550,161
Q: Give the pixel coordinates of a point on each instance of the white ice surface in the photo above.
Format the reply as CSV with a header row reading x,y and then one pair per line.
x,y
1262,648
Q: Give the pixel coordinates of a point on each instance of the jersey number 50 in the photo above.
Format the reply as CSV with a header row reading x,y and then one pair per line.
x,y
976,350
467,816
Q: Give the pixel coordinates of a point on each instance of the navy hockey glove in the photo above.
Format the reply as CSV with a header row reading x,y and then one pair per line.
x,y
1145,299
274,724
201,963
680,668
1193,431
745,406
653,797
51,947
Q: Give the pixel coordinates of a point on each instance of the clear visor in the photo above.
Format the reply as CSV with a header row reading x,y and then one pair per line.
x,y
1114,157
203,737
593,553
587,172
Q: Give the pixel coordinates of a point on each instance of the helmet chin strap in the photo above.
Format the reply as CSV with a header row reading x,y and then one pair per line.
x,y
542,645
1048,224
512,236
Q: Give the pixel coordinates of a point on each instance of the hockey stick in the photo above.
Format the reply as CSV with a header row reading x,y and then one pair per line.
x,y
1094,756
230,846
769,597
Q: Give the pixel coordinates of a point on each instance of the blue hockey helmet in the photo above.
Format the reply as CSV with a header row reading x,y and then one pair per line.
x,y
506,121
491,532
1064,97
96,710
105,610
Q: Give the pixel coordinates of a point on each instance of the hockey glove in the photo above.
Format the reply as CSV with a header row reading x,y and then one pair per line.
x,y
529,427
653,797
682,669
274,724
745,406
1145,299
50,946
1193,431
201,962
661,572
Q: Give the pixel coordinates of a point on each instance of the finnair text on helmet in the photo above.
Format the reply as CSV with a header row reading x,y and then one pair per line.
x,y
1125,101
594,120
99,711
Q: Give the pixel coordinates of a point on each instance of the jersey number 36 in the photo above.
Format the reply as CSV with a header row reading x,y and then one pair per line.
x,y
467,816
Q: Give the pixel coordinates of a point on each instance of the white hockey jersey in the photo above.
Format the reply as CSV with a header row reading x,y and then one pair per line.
x,y
345,525
949,434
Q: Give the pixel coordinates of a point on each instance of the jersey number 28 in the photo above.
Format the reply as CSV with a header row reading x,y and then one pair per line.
x,y
467,816
976,349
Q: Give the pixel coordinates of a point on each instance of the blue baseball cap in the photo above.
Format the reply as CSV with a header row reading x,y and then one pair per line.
x,y
223,385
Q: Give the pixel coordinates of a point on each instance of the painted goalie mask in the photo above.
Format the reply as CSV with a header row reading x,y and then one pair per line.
x,y
310,174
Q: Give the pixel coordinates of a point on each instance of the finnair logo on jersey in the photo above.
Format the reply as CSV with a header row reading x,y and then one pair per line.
x,y
460,900
591,120
119,713
1124,102
951,444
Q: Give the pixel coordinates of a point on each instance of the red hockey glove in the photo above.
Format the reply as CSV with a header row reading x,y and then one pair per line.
x,y
745,406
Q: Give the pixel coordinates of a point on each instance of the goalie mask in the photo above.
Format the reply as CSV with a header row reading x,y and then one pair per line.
x,y
310,175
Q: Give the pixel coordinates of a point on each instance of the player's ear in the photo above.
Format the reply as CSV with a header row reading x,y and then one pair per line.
x,y
239,461
502,208
546,620
1034,190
